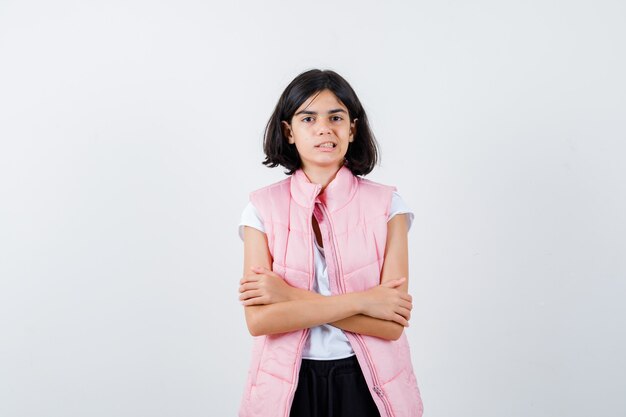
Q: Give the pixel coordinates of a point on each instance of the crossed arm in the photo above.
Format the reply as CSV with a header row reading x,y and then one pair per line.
x,y
272,306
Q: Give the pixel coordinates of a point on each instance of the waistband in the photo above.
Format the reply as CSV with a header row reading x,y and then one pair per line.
x,y
334,366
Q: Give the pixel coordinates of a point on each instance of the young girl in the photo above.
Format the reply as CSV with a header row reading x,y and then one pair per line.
x,y
326,266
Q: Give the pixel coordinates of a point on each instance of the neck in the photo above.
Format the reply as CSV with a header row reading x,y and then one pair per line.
x,y
321,175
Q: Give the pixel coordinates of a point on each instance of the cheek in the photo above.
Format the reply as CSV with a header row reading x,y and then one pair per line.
x,y
302,147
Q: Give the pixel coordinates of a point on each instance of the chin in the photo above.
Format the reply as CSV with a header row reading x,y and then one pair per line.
x,y
327,163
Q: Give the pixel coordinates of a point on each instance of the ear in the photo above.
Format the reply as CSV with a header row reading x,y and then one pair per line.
x,y
353,130
287,131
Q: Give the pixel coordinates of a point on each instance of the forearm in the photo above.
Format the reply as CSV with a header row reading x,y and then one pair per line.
x,y
358,323
362,324
302,313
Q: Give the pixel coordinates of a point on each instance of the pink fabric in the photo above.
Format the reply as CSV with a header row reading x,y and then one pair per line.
x,y
352,215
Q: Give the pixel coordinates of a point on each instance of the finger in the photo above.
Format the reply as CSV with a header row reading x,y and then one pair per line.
x,y
262,271
254,301
394,282
399,281
406,296
249,294
249,278
401,320
406,304
404,312
249,286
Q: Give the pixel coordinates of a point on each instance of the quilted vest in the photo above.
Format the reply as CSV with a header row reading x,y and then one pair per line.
x,y
352,214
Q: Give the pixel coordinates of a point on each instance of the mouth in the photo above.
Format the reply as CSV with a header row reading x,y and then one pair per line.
x,y
326,145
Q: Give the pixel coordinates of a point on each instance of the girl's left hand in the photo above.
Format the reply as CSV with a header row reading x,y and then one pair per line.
x,y
263,286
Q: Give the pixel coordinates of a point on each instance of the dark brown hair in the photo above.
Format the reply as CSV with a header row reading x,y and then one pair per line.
x,y
362,154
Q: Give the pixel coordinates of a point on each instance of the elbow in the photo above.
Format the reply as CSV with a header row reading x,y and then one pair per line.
x,y
395,336
395,332
253,328
257,330
254,332
254,323
390,334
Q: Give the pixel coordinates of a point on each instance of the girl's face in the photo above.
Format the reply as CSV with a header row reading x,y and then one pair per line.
x,y
321,130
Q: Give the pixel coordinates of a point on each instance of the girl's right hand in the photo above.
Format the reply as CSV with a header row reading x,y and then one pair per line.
x,y
263,286
386,302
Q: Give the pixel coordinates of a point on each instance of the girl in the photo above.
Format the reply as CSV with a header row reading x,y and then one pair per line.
x,y
326,266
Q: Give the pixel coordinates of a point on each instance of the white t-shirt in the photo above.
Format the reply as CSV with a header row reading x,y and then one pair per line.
x,y
325,342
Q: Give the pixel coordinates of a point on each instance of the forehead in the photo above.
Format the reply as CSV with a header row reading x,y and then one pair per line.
x,y
322,101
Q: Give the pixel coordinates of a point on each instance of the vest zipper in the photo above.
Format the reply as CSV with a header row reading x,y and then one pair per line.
x,y
296,374
341,287
296,371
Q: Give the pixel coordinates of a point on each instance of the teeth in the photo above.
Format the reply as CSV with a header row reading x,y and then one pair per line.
x,y
327,145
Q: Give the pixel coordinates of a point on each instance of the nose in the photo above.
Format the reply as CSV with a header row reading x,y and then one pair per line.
x,y
323,128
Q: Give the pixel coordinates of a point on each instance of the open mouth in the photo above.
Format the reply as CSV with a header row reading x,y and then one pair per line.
x,y
326,145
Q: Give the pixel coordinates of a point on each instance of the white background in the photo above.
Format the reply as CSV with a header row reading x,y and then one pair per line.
x,y
131,136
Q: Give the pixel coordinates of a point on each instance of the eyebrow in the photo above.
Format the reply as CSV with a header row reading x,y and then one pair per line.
x,y
314,113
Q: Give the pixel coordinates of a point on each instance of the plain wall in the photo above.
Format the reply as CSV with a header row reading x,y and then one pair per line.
x,y
130,137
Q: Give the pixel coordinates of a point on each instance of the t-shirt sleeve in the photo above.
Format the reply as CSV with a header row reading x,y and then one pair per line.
x,y
250,217
398,206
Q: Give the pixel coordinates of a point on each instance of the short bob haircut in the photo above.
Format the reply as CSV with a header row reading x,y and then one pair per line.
x,y
362,154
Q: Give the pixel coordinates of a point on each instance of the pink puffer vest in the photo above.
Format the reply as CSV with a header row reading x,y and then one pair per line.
x,y
352,215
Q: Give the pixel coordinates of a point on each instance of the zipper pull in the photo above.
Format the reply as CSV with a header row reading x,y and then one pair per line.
x,y
379,391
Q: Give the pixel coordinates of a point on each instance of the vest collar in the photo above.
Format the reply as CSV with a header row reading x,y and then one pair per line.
x,y
336,195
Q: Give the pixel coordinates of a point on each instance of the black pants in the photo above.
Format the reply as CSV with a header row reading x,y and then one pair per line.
x,y
334,388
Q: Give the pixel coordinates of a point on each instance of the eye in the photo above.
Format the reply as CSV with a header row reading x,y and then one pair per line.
x,y
336,118
307,119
